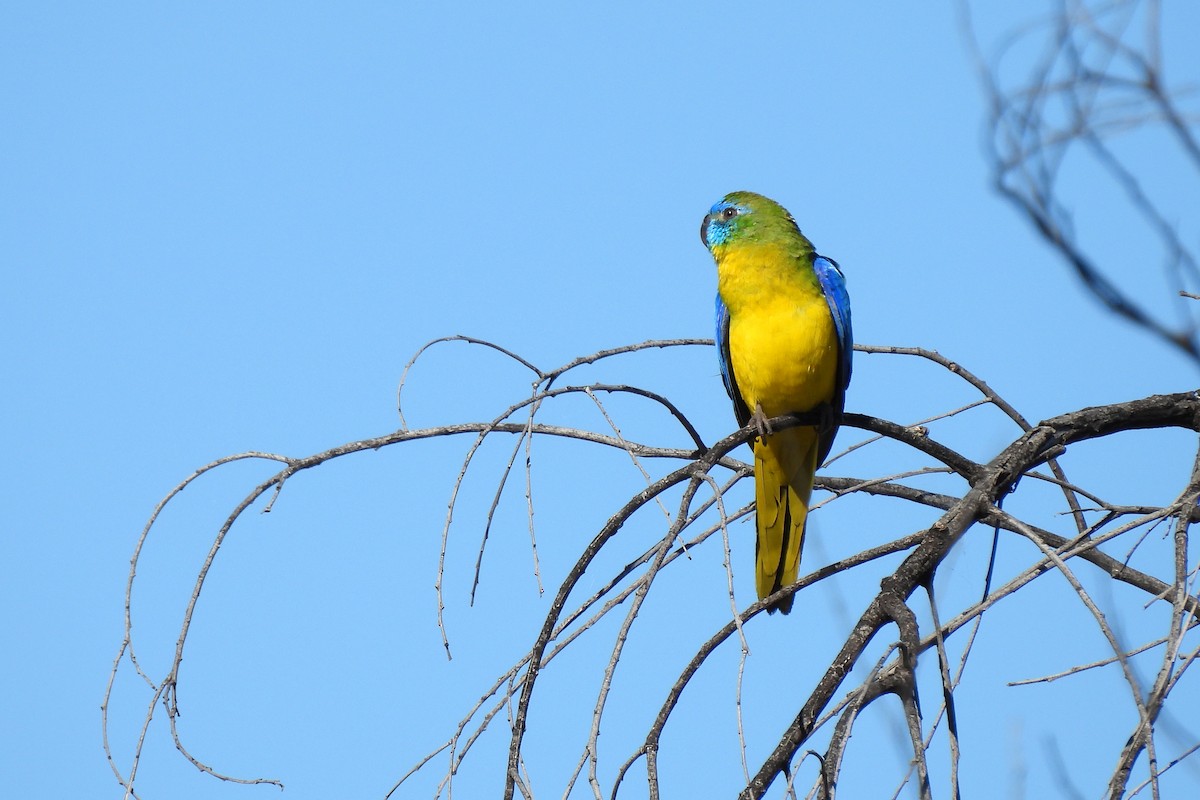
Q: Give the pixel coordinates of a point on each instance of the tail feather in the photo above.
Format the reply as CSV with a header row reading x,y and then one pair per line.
x,y
784,467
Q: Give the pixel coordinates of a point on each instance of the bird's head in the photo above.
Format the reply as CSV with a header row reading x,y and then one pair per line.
x,y
742,217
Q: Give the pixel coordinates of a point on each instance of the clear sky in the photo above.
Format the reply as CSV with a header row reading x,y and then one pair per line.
x,y
227,227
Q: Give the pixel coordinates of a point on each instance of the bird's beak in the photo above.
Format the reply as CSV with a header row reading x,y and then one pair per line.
x,y
704,229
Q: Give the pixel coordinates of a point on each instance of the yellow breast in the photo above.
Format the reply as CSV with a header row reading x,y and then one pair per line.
x,y
782,341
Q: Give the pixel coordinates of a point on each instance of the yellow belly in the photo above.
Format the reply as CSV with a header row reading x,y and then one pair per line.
x,y
784,354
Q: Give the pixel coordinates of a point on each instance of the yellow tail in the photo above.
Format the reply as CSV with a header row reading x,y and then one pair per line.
x,y
784,466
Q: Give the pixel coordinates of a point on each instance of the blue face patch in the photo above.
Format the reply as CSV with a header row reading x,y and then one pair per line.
x,y
719,224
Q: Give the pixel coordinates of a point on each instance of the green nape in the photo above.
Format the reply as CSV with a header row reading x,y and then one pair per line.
x,y
767,222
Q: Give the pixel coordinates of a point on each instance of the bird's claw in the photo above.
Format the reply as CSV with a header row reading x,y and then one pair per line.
x,y
760,421
825,418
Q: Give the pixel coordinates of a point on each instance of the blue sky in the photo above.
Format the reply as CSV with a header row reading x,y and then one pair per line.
x,y
227,228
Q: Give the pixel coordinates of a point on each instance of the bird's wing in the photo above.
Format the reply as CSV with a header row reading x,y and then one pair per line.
x,y
740,410
833,284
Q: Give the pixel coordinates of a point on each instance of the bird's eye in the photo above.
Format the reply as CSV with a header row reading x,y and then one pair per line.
x,y
729,213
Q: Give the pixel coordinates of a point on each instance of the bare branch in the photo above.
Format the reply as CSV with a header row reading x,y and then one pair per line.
x,y
567,621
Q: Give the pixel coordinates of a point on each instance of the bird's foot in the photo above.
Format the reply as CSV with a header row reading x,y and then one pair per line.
x,y
760,421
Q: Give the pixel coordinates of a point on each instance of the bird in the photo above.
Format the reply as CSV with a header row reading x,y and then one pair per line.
x,y
785,345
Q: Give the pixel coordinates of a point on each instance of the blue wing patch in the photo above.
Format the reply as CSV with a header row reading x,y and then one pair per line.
x,y
833,283
740,409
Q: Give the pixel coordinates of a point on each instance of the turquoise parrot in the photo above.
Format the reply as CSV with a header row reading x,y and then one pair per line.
x,y
784,344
